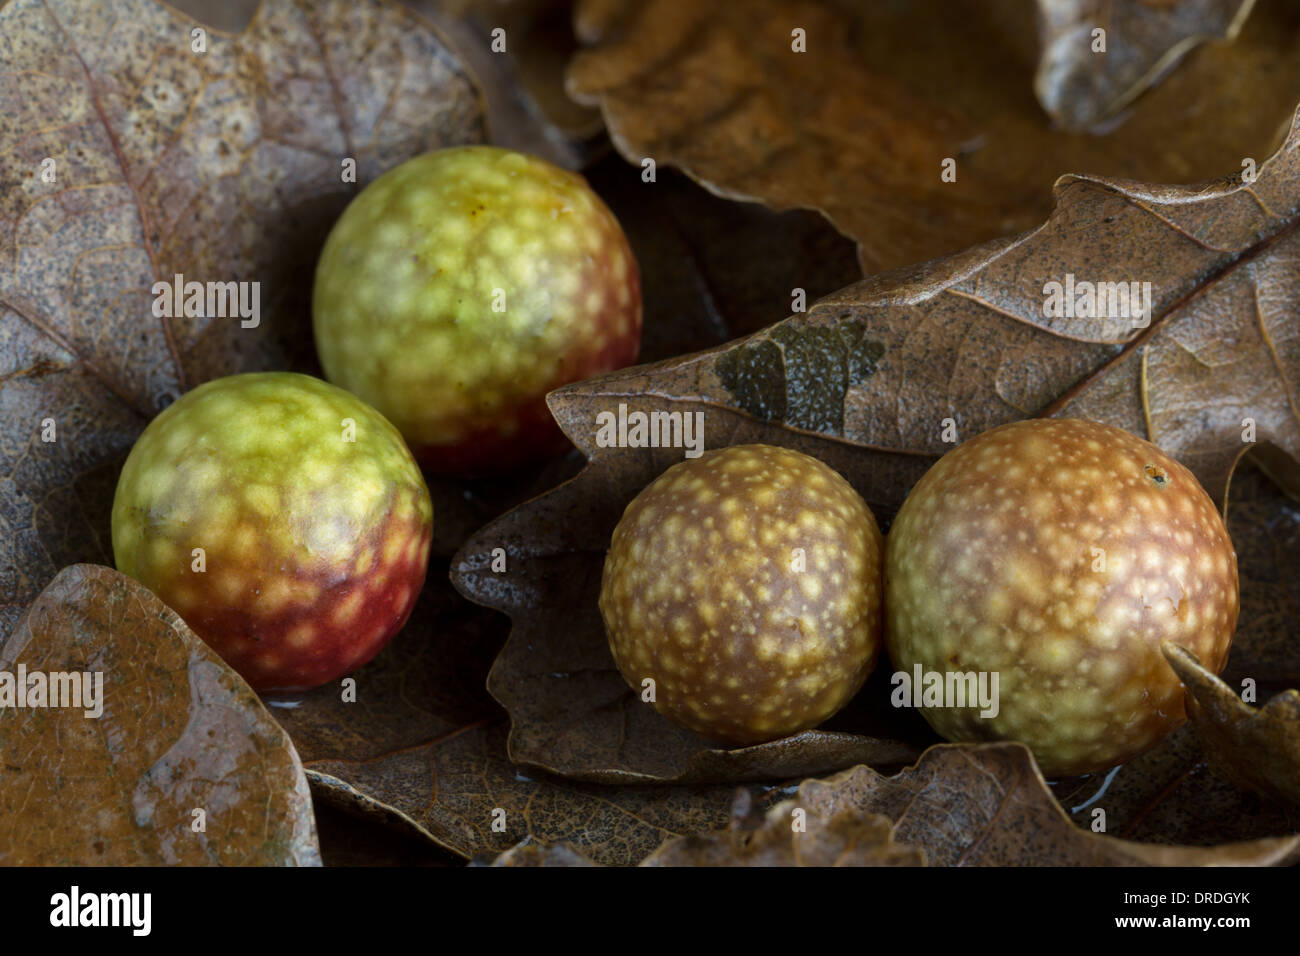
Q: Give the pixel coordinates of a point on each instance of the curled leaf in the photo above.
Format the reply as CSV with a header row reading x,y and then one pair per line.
x,y
182,766
1082,84
959,805
465,794
1257,748
857,110
987,805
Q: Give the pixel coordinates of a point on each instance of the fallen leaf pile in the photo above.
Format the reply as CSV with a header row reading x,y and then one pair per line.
x,y
795,145
859,124
960,805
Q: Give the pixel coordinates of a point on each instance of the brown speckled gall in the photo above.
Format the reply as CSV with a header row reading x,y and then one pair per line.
x,y
1059,553
747,585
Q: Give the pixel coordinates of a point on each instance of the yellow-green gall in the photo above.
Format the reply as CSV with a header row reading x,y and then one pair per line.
x,y
460,287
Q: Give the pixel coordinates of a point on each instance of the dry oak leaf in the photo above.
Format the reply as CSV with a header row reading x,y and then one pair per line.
x,y
861,125
1256,748
178,731
522,79
959,805
988,805
222,165
1081,86
460,790
791,834
871,380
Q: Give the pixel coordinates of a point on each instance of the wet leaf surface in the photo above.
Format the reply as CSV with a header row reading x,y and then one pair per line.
x,y
179,732
1081,86
867,381
859,125
219,166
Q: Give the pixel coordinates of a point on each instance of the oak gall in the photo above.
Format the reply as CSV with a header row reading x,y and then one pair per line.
x,y
1059,554
746,585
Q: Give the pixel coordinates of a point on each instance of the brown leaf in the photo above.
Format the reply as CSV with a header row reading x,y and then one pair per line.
x,y
987,805
830,835
1080,87
527,106
179,730
220,166
1256,748
712,269
456,788
859,125
959,805
865,381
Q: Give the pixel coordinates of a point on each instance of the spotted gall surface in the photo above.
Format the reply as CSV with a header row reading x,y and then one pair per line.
x,y
459,288
1059,553
747,585
314,547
